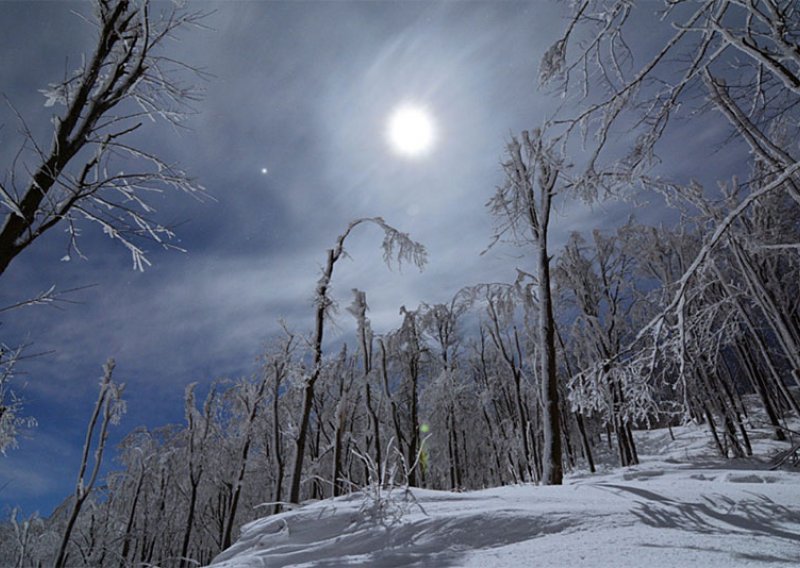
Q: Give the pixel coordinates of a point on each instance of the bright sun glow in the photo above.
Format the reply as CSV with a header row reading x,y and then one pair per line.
x,y
410,131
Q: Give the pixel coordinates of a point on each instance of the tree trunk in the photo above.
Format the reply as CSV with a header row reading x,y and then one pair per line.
x,y
553,469
308,391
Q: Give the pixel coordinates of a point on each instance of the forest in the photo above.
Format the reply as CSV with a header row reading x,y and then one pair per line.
x,y
618,330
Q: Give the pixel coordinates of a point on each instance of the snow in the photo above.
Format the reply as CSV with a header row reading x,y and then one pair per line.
x,y
680,507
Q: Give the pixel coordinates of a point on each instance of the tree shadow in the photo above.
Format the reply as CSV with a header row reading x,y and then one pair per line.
x,y
757,515
754,557
439,542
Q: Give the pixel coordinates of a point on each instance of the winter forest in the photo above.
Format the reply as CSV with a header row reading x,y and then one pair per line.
x,y
588,338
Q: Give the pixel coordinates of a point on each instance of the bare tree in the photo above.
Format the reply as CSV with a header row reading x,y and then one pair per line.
x,y
107,410
277,365
358,309
10,404
92,171
409,348
741,56
522,206
198,426
395,245
600,286
440,322
24,534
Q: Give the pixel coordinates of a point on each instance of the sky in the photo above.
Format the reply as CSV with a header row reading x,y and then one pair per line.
x,y
304,91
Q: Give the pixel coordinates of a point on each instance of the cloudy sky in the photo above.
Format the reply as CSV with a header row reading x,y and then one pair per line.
x,y
304,91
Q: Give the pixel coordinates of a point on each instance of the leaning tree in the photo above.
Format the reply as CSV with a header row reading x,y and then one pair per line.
x,y
395,245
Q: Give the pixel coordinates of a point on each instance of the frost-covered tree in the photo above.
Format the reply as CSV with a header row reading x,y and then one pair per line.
x,y
740,56
405,351
11,408
358,309
446,391
600,284
278,363
505,368
107,411
396,245
522,207
79,175
718,59
92,171
199,429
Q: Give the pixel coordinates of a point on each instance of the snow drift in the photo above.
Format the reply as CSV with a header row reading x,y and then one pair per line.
x,y
680,507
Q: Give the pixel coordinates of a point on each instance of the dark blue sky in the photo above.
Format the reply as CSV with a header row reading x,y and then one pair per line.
x,y
303,89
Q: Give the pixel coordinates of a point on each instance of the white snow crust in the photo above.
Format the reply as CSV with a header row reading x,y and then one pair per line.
x,y
680,507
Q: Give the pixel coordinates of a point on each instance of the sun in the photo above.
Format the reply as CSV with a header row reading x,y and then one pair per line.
x,y
410,131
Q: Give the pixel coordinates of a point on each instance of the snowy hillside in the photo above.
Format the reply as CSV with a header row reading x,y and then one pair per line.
x,y
680,507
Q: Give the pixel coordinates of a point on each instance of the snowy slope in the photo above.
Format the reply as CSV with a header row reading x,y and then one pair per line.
x,y
678,508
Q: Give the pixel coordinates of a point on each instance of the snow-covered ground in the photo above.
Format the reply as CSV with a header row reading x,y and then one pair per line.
x,y
680,507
